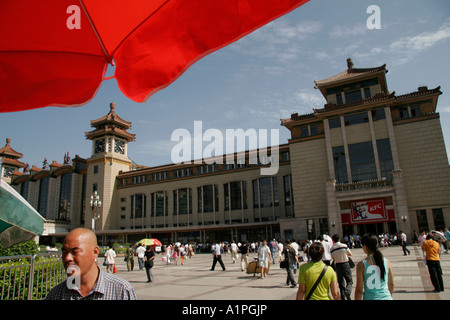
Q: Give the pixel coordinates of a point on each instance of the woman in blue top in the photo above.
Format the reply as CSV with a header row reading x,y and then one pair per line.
x,y
374,278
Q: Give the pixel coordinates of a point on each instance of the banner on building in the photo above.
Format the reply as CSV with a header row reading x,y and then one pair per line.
x,y
373,210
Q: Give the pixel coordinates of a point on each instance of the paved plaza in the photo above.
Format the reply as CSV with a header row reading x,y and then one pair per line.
x,y
195,281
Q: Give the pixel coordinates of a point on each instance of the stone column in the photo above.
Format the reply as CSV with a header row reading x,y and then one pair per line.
x,y
401,205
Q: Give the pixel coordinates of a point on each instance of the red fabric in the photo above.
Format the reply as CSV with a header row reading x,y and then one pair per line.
x,y
43,63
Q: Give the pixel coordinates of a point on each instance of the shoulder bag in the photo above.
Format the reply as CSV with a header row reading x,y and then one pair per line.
x,y
316,283
351,263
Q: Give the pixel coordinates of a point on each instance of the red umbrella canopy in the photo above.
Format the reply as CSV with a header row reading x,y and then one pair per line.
x,y
56,52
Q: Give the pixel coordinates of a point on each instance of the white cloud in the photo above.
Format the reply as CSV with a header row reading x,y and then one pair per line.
x,y
310,99
280,40
445,109
422,41
341,31
405,49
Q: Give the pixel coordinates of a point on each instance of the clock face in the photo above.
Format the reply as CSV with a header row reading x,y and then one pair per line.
x,y
100,146
7,173
119,146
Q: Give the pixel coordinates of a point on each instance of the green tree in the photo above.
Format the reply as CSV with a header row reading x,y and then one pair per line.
x,y
23,248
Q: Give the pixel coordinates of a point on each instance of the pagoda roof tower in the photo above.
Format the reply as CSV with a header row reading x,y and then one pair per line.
x,y
111,124
11,156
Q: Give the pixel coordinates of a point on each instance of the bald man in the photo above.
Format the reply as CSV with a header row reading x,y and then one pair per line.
x,y
79,254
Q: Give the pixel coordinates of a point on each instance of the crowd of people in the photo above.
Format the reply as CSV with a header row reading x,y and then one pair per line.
x,y
323,264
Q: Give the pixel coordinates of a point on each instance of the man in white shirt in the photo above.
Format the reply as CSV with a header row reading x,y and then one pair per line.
x,y
327,247
140,251
404,243
217,257
280,250
110,258
234,251
340,254
263,258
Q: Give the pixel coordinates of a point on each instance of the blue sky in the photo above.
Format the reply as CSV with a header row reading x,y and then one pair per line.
x,y
258,80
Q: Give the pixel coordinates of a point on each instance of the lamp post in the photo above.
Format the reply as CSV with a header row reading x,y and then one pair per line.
x,y
95,204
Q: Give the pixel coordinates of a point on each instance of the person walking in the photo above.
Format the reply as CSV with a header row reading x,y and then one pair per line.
x,y
110,258
167,254
129,258
447,237
291,259
404,241
280,248
315,278
327,248
140,251
432,249
175,254
149,262
374,278
234,249
182,253
263,258
244,250
340,254
273,249
217,257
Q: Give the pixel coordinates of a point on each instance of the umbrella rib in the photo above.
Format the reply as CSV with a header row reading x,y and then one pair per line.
x,y
134,29
108,57
45,51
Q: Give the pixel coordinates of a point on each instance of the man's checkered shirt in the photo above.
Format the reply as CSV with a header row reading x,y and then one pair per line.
x,y
107,287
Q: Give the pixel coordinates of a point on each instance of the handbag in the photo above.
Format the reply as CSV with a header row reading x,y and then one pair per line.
x,y
316,283
351,263
283,264
149,263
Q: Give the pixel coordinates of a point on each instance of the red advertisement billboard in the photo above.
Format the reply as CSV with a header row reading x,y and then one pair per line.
x,y
373,210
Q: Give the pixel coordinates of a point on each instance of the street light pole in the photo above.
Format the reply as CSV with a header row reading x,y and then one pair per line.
x,y
95,204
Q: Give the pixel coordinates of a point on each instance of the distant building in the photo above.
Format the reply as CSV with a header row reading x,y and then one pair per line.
x,y
369,160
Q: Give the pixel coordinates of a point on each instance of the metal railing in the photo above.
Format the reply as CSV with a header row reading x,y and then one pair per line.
x,y
30,277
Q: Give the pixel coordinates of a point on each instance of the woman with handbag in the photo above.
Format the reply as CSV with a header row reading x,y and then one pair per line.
x,y
315,278
149,260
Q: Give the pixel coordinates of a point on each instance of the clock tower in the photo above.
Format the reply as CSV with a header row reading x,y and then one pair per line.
x,y
109,156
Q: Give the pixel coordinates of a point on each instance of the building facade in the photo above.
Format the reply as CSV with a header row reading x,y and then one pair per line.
x,y
369,160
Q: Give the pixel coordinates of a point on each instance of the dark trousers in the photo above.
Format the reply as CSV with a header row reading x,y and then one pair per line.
x,y
405,249
149,272
217,258
290,275
434,268
344,278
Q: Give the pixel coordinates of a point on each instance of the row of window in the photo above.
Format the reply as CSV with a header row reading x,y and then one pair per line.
x,y
353,96
358,118
362,161
265,194
437,216
202,169
64,201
